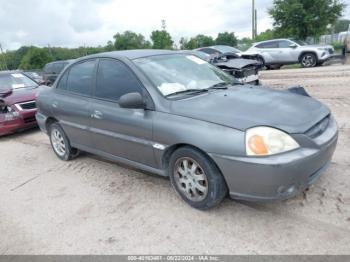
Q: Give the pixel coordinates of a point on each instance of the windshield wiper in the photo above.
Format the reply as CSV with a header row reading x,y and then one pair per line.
x,y
190,91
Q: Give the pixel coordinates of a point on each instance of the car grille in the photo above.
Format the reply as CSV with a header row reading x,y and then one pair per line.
x,y
29,119
27,105
319,128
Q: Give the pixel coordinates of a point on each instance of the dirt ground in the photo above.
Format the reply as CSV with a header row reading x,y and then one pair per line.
x,y
92,206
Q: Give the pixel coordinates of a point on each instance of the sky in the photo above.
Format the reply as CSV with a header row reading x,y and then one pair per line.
x,y
73,23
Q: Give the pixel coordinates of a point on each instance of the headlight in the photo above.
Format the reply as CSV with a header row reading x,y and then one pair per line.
x,y
263,140
11,114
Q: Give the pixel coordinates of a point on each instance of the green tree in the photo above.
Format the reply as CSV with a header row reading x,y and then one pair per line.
x,y
130,40
198,41
161,40
304,18
266,35
341,25
110,46
226,38
35,58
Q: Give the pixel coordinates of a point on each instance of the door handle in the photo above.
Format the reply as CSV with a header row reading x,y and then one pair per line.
x,y
97,114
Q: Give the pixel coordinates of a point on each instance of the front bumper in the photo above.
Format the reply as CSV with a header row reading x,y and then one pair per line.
x,y
326,57
280,176
25,120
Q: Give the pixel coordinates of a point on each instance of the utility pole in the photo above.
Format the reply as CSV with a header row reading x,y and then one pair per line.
x,y
163,25
254,21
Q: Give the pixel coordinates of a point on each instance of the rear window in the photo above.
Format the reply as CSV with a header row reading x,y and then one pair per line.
x,y
55,68
15,81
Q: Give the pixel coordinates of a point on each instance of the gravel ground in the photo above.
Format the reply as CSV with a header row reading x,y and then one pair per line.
x,y
92,206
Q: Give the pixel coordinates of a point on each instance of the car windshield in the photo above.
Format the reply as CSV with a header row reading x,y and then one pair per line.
x,y
299,42
226,49
15,81
180,73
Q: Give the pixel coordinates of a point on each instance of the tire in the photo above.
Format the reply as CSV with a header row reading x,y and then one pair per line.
x,y
274,67
60,143
202,188
308,60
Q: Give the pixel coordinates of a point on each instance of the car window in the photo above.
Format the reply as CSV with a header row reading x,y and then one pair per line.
x,y
209,51
62,84
115,79
58,67
273,44
80,77
284,44
48,68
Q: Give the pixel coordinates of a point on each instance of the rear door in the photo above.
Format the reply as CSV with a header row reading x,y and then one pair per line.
x,y
71,103
269,51
121,132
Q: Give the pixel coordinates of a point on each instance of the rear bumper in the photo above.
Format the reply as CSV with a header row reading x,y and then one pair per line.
x,y
25,120
280,176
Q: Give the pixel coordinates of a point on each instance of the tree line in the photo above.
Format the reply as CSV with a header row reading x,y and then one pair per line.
x,y
292,18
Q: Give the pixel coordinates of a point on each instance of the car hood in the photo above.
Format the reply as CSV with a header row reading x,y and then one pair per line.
x,y
243,107
20,95
237,63
249,53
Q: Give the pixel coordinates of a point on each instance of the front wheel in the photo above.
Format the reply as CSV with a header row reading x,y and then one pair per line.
x,y
196,178
60,143
308,60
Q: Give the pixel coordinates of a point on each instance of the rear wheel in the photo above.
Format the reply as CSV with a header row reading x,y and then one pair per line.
x,y
196,178
308,60
60,143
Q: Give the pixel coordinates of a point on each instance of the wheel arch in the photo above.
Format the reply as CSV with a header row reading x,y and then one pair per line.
x,y
49,121
165,160
307,52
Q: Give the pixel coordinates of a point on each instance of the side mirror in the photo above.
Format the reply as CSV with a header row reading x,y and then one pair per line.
x,y
293,46
132,100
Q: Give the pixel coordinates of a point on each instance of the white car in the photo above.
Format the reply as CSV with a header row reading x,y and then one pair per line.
x,y
279,52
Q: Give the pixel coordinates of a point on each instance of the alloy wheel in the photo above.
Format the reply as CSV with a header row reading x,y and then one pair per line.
x,y
308,61
191,179
58,142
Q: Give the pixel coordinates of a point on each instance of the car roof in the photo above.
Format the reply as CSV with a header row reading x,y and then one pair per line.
x,y
272,40
60,61
133,54
10,72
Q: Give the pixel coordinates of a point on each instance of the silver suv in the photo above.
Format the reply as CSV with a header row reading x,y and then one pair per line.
x,y
279,52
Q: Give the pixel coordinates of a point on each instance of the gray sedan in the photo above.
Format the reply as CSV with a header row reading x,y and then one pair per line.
x,y
176,115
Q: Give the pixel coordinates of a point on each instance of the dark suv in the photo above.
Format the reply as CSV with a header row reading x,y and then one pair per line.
x,y
52,70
